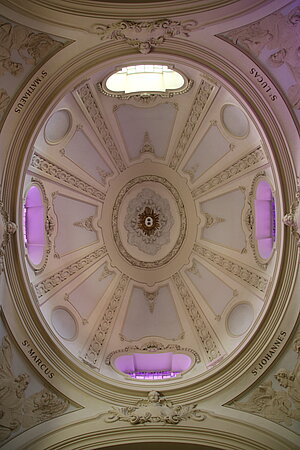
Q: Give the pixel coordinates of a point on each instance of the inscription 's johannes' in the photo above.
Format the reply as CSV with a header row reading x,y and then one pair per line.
x,y
269,355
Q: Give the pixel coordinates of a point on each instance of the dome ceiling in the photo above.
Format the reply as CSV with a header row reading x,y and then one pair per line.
x,y
152,224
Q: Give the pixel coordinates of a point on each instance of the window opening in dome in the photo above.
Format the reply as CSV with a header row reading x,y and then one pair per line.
x,y
265,219
33,225
153,366
145,79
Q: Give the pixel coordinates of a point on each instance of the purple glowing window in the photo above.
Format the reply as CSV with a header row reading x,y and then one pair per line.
x,y
265,219
153,366
33,225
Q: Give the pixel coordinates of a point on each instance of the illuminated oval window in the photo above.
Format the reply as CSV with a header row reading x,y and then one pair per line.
x,y
153,366
34,225
145,78
265,219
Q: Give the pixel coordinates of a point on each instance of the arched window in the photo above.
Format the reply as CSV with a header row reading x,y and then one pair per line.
x,y
34,225
265,219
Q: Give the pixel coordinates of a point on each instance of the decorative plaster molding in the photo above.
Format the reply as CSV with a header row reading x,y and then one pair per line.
x,y
86,96
194,269
7,229
232,267
145,35
46,285
212,220
17,411
154,409
201,98
97,341
106,272
292,218
148,221
279,406
248,161
211,346
44,165
103,174
152,346
151,298
86,223
147,145
182,218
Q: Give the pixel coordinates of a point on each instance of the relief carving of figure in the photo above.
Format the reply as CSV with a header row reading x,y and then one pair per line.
x,y
20,44
280,34
16,410
280,406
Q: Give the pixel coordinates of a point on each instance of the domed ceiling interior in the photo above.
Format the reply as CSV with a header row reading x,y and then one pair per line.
x,y
150,227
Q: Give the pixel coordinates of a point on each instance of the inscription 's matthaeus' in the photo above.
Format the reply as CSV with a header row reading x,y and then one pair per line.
x,y
270,353
30,89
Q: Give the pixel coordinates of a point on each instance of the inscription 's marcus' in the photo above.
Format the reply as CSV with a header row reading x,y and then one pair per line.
x,y
269,355
25,95
38,361
264,85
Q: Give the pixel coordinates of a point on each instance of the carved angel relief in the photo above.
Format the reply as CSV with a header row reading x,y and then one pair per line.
x,y
154,409
16,410
145,35
280,406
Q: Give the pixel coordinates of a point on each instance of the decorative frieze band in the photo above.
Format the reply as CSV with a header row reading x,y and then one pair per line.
x,y
200,101
43,287
94,349
44,165
232,268
211,346
91,106
251,159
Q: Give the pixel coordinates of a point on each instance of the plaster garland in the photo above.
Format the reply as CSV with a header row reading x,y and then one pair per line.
x,y
210,344
155,409
88,101
232,267
201,99
253,158
48,284
45,166
86,223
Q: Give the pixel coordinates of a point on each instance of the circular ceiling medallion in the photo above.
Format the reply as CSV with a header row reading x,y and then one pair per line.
x,y
145,222
235,121
58,126
149,236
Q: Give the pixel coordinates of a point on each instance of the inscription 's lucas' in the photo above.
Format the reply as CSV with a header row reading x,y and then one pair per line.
x,y
259,78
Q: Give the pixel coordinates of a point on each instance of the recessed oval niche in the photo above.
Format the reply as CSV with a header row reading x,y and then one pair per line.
x,y
58,126
240,319
64,323
235,121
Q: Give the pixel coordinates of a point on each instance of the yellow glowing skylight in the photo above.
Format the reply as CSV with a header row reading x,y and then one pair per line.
x,y
145,78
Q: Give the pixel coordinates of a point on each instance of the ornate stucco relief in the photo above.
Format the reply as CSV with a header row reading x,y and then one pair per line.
x,y
151,298
88,101
97,341
145,35
278,405
21,50
274,41
292,218
210,220
210,344
148,222
44,165
152,346
86,223
233,268
147,146
155,409
48,284
236,169
16,410
201,99
182,218
7,229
